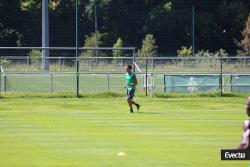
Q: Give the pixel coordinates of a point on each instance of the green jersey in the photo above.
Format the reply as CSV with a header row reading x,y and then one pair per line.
x,y
130,80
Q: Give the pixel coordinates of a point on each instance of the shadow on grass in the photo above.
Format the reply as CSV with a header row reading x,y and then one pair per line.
x,y
149,113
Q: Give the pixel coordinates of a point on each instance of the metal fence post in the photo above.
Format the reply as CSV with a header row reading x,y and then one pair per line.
x,y
77,49
221,77
182,64
45,34
1,82
213,63
245,63
147,76
193,30
108,77
28,61
134,60
152,84
51,83
60,63
121,64
5,82
153,65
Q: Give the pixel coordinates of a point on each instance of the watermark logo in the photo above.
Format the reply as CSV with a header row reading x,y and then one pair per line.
x,y
235,154
192,85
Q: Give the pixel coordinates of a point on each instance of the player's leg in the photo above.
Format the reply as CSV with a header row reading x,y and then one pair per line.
x,y
130,105
129,101
132,93
136,104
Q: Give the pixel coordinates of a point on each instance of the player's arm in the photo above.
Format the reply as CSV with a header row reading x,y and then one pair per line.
x,y
245,137
125,85
245,141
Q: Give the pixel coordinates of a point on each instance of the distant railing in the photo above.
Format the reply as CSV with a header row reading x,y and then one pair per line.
x,y
22,71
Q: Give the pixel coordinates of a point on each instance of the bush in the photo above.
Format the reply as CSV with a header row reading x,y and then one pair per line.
x,y
36,57
4,62
118,53
185,51
94,40
149,47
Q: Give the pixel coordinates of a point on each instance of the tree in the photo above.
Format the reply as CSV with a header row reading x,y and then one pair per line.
x,y
90,8
185,51
149,47
90,41
217,22
4,62
36,57
30,4
27,5
118,44
244,44
207,53
118,53
97,12
10,34
231,16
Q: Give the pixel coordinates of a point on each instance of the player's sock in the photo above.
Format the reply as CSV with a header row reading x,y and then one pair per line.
x,y
131,110
138,107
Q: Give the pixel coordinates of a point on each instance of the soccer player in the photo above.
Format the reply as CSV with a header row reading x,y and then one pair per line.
x,y
246,130
131,83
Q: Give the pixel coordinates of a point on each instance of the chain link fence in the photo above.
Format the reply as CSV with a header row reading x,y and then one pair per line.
x,y
22,72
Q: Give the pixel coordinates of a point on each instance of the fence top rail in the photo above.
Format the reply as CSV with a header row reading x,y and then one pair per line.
x,y
75,73
142,73
138,58
51,58
201,73
67,48
193,58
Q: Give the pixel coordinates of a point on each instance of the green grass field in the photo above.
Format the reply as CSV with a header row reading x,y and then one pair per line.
x,y
90,132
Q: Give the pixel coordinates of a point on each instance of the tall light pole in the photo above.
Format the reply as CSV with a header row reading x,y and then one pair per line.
x,y
45,34
193,29
96,31
77,50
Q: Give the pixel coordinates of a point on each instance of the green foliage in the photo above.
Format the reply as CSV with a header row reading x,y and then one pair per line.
x,y
35,54
149,47
94,40
90,7
244,44
118,53
168,6
53,4
30,4
207,53
27,5
203,53
221,53
4,62
8,36
185,51
36,57
169,20
118,44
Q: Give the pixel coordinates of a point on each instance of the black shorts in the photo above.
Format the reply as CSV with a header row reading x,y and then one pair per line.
x,y
130,94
